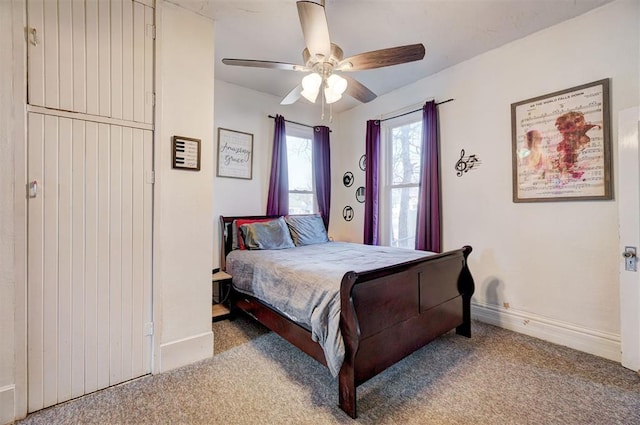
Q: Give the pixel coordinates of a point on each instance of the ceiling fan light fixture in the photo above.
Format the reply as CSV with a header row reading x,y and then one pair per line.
x,y
311,96
323,58
336,83
335,86
331,96
311,86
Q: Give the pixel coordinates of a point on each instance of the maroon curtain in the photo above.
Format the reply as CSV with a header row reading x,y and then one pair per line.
x,y
278,200
322,171
428,235
372,151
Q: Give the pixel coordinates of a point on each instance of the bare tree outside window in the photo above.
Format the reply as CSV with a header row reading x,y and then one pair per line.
x,y
300,163
405,153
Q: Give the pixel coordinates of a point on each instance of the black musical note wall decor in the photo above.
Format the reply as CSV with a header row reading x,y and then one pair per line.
x,y
363,162
347,213
466,163
347,179
360,194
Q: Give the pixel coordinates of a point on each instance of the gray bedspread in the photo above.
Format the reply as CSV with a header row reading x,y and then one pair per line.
x,y
303,283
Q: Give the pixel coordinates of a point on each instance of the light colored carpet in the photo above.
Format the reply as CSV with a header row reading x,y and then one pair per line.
x,y
231,333
496,377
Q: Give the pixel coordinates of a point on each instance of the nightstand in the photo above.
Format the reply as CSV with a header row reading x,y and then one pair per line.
x,y
220,304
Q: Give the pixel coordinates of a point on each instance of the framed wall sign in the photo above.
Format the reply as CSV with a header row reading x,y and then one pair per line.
x,y
561,145
186,153
235,154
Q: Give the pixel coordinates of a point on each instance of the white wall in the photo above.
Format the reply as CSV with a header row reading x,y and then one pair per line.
x,y
183,231
12,211
241,109
556,264
7,281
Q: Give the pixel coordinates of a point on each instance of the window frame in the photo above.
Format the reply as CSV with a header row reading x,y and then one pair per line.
x,y
386,175
302,132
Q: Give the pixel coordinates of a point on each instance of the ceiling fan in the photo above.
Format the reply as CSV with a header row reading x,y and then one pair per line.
x,y
323,59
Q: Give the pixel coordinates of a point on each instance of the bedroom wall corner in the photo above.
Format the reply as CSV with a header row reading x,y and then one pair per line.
x,y
241,109
183,231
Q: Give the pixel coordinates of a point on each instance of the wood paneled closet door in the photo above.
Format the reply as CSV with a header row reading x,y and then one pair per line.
x,y
90,189
92,56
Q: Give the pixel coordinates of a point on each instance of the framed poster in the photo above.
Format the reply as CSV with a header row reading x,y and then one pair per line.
x,y
235,154
561,145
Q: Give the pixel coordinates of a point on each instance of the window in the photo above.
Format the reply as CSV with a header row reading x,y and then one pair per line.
x,y
400,165
302,197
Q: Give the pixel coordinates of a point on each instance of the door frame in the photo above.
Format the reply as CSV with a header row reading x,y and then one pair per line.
x,y
629,234
19,135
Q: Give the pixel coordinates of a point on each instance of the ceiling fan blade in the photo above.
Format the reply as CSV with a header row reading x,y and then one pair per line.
x,y
264,64
315,29
293,95
383,57
358,91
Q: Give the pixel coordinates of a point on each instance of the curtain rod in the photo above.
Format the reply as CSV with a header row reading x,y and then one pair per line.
x,y
416,110
299,123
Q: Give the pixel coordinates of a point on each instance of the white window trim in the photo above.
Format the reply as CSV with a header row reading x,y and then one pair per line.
x,y
385,175
303,132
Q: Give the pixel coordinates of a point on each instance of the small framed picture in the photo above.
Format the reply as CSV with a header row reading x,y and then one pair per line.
x,y
185,153
235,154
561,145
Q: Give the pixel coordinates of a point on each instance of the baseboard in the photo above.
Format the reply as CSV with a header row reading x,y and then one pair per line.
x,y
186,351
602,344
7,401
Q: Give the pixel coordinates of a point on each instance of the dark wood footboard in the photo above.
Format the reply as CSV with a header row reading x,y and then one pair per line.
x,y
386,314
389,313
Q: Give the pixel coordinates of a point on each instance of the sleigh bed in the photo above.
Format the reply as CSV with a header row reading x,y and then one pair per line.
x,y
383,313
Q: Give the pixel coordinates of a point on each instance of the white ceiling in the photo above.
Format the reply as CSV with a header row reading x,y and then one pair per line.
x,y
451,30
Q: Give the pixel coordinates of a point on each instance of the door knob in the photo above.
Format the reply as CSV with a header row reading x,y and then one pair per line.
x,y
630,258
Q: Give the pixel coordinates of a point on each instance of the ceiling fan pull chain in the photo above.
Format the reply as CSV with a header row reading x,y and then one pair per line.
x,y
323,102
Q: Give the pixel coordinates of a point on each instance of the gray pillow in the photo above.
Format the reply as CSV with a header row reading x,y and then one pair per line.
x,y
234,236
272,234
307,229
